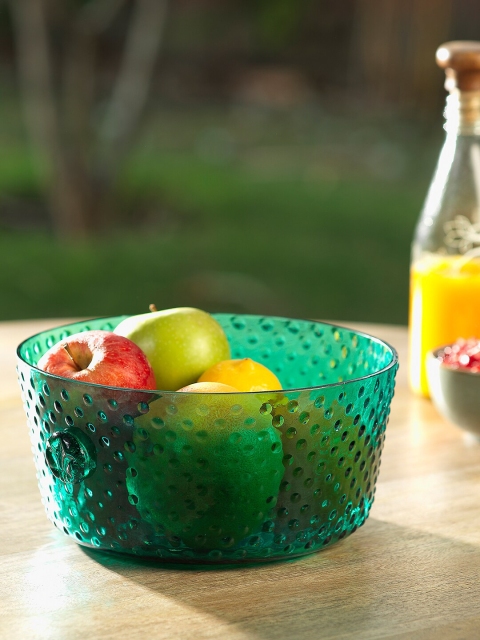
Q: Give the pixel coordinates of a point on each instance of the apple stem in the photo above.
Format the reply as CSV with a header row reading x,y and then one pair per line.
x,y
65,346
152,308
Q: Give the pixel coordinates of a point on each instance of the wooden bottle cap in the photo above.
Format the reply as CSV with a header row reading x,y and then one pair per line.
x,y
461,61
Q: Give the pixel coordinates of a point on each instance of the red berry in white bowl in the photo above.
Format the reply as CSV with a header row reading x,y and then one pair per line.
x,y
462,354
100,357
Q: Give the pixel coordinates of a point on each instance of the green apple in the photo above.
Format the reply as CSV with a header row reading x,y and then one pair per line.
x,y
180,344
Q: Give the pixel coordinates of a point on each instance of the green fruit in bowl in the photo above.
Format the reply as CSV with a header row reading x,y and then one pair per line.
x,y
180,344
206,468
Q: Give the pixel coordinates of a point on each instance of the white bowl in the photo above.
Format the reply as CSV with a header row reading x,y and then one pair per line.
x,y
454,392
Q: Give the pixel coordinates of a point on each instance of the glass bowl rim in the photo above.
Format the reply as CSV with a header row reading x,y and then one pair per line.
x,y
390,365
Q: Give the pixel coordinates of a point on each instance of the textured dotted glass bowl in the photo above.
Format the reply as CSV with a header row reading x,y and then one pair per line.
x,y
216,478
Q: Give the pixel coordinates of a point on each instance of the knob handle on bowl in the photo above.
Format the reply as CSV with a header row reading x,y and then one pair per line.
x,y
70,455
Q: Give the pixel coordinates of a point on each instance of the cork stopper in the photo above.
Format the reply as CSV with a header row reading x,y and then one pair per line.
x,y
461,61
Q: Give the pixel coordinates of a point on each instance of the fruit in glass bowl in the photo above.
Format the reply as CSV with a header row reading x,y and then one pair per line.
x,y
100,357
180,343
242,373
205,477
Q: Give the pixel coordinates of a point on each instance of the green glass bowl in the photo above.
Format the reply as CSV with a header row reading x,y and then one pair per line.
x,y
216,478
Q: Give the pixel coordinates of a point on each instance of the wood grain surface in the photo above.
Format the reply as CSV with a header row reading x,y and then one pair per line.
x,y
412,571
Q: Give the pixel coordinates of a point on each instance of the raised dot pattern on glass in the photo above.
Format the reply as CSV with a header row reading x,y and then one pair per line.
x,y
219,478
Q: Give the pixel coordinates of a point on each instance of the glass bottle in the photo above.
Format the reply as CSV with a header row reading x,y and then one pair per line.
x,y
445,266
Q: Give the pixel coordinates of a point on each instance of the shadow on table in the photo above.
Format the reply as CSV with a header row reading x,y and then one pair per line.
x,y
384,576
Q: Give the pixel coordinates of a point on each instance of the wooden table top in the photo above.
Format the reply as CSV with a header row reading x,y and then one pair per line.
x,y
412,571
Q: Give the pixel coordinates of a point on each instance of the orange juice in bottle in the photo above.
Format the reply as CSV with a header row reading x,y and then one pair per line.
x,y
445,269
444,305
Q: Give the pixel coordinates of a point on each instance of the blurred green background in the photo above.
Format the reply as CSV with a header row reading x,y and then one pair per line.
x,y
258,156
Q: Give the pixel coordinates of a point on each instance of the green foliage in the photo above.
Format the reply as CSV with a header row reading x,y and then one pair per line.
x,y
341,254
282,223
277,21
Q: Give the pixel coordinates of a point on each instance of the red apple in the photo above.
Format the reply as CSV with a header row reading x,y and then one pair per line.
x,y
100,357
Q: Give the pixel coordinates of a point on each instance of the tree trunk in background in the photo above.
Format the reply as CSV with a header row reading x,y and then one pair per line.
x,y
431,23
80,164
72,200
43,117
134,78
394,49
